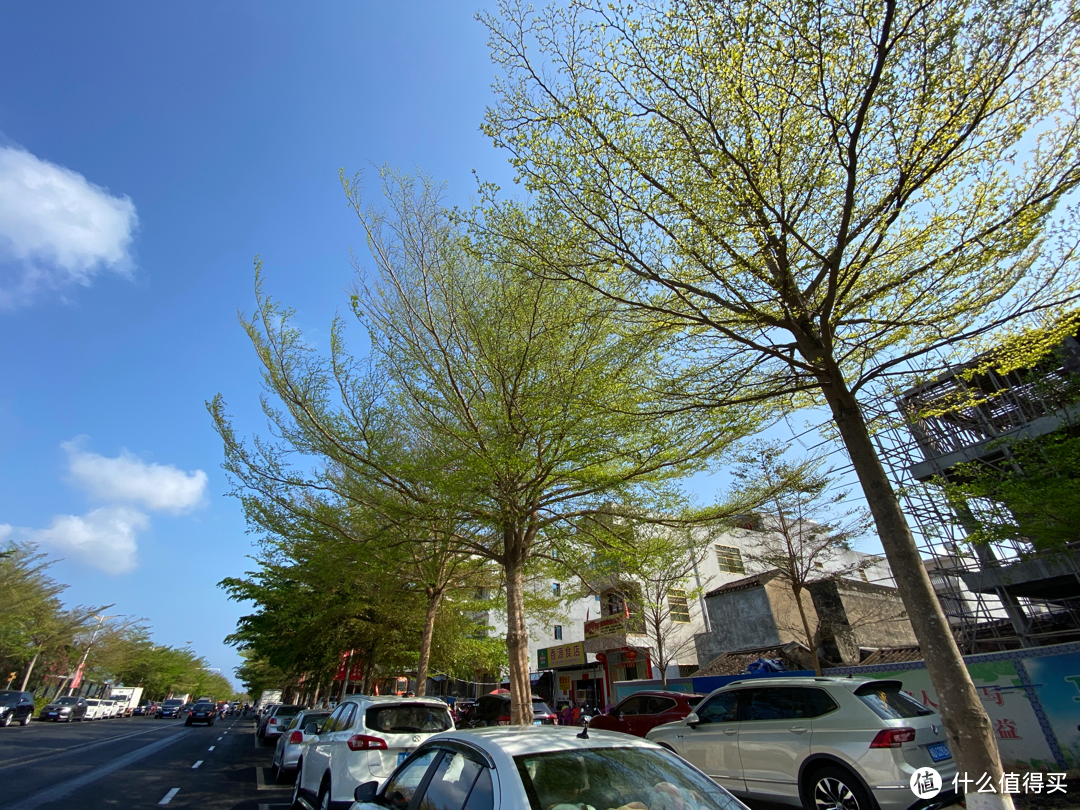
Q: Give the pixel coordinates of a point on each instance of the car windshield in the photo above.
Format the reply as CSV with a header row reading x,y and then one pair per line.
x,y
694,700
618,777
89,702
173,702
539,707
68,701
408,718
889,703
203,707
9,698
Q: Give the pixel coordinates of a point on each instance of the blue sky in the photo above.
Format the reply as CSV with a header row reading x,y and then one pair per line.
x,y
148,152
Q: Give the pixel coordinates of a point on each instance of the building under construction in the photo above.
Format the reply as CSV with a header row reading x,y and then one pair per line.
x,y
1004,594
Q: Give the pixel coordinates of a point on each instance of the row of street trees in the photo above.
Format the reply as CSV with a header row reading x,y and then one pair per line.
x,y
43,643
735,210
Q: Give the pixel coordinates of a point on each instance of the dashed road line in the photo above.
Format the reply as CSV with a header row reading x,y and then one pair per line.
x,y
64,789
211,748
219,739
168,797
196,765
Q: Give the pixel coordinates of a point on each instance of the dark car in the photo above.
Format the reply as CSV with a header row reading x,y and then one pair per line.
x,y
170,708
494,710
65,708
277,719
16,707
645,710
201,713
143,709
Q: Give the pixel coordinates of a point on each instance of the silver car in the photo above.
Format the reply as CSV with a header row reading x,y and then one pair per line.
x,y
817,742
293,739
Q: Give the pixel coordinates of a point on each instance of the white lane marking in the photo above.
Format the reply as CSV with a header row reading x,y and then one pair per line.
x,y
64,789
219,738
211,748
196,765
168,797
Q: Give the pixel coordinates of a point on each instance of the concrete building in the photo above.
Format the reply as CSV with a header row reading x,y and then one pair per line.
x,y
596,643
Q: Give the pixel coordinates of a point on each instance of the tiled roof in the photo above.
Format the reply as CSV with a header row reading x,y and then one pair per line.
x,y
793,655
754,581
892,655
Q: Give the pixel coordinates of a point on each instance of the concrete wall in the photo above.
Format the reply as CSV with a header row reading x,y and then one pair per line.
x,y
739,620
856,614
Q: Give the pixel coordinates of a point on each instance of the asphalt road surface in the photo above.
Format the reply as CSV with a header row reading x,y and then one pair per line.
x,y
137,762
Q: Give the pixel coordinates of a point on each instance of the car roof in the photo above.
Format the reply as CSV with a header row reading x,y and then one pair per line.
x,y
386,699
796,680
662,693
517,740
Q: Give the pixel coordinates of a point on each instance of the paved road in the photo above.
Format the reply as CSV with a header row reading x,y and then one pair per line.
x,y
137,762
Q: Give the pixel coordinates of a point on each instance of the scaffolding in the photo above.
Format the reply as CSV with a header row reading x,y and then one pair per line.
x,y
1001,595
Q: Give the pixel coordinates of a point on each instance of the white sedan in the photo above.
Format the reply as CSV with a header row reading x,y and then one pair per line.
x,y
94,709
544,768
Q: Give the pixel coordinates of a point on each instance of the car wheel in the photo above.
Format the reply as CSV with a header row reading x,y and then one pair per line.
x,y
25,721
6,721
296,793
279,774
324,795
837,789
187,722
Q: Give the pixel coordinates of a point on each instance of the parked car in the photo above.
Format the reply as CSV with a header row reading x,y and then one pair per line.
x,y
542,768
364,740
494,710
144,709
815,742
201,713
16,707
275,721
644,711
108,709
301,729
64,709
170,708
94,709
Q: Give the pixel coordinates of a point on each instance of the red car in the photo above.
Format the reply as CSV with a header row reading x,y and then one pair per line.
x,y
643,711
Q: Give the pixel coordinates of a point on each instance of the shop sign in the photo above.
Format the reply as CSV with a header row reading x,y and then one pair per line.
x,y
610,626
564,683
565,655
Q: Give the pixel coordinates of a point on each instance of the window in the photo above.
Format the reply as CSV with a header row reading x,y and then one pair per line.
x,y
659,705
777,703
817,702
678,610
450,784
889,703
724,708
558,632
605,777
556,589
403,784
632,706
408,718
729,559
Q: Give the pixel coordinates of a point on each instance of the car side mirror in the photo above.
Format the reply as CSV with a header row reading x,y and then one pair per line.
x,y
311,728
692,720
365,793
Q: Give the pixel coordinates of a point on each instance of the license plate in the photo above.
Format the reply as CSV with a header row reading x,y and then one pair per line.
x,y
939,751
52,714
538,722
402,756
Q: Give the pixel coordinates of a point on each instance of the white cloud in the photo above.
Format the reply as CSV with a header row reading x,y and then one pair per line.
x,y
57,228
5,530
104,538
128,479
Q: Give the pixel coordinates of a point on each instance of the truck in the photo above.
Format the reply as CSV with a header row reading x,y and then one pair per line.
x,y
127,698
268,696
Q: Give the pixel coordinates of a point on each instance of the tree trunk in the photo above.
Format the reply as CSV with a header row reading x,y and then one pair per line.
x,y
517,642
806,630
434,598
660,661
29,669
348,670
967,725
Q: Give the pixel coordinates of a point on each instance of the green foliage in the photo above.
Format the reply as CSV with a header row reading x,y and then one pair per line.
x,y
1034,493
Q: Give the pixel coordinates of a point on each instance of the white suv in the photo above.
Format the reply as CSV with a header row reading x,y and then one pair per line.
x,y
364,740
850,743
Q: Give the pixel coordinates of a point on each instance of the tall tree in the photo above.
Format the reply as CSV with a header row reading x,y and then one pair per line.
x,y
818,194
521,405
